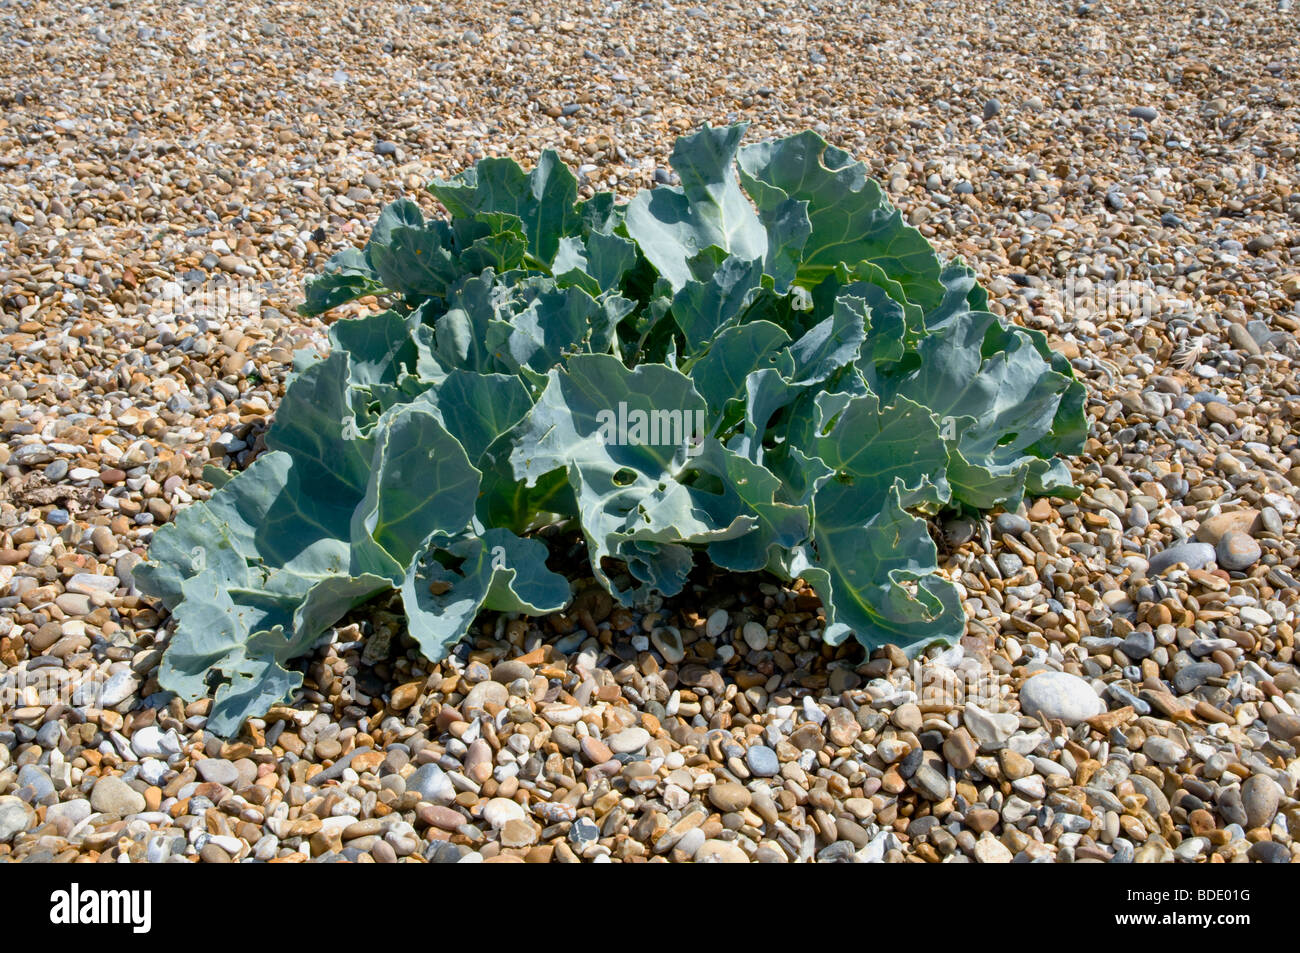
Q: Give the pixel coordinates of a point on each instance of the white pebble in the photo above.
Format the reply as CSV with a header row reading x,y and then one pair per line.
x,y
755,636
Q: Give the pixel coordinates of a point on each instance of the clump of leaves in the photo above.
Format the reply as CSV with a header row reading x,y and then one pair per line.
x,y
765,364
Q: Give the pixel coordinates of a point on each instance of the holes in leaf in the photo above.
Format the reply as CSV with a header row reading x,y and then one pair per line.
x,y
625,476
1006,439
706,483
447,560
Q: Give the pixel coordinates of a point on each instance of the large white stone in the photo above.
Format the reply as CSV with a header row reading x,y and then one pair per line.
x,y
1060,695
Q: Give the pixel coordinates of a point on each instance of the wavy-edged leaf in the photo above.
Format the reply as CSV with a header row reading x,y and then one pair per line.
x,y
832,343
997,407
543,199
346,276
850,217
739,489
719,375
478,408
215,625
703,308
316,424
622,436
498,571
379,347
416,261
558,323
672,225
422,483
598,263
877,579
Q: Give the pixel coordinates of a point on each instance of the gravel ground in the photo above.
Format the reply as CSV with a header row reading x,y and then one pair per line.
x,y
1123,176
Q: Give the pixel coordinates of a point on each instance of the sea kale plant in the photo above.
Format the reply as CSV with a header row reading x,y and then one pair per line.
x,y
764,366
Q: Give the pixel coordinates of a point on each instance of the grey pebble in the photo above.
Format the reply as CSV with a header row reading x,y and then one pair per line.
x,y
762,761
1191,677
1138,645
1006,523
15,817
1260,797
1195,555
1231,808
218,771
1237,551
1269,852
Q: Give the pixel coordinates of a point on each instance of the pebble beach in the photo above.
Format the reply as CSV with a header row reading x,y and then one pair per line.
x,y
1122,175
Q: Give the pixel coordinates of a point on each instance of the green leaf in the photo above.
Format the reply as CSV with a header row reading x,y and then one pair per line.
x,y
498,571
601,213
416,261
422,483
597,264
998,406
542,199
672,225
788,227
877,578
216,476
719,375
850,218
476,323
703,308
316,424
489,240
831,344
379,347
742,489
892,323
621,436
477,408
224,630
872,563
325,603
870,448
961,294
402,213
347,276
559,323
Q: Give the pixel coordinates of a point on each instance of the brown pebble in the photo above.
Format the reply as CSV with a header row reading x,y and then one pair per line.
x,y
1014,766
443,818
212,854
404,696
595,750
959,749
519,832
729,797
1220,413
